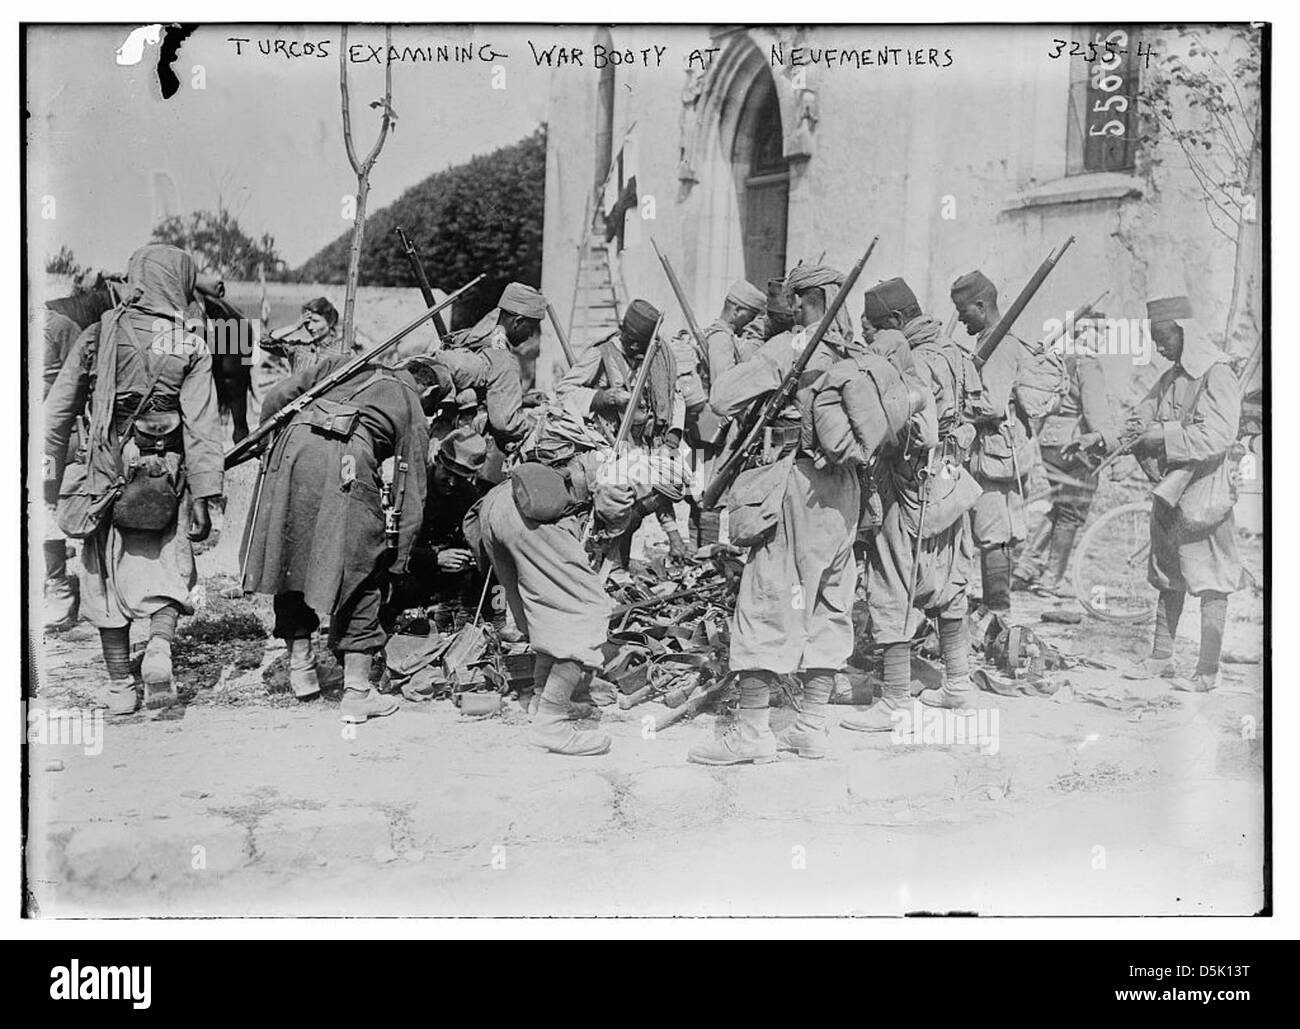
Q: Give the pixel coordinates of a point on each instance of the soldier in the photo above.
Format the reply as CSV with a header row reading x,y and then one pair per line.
x,y
64,320
319,538
923,466
493,375
599,386
1188,425
529,529
514,326
724,349
775,320
441,561
1083,415
793,611
1002,454
153,412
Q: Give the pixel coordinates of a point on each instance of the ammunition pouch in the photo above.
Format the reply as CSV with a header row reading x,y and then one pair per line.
x,y
332,419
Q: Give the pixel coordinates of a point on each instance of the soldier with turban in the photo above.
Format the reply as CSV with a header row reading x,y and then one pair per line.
x,y
1002,454
725,347
793,611
1189,423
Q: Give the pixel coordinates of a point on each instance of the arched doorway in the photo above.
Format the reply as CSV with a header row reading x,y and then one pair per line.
x,y
762,177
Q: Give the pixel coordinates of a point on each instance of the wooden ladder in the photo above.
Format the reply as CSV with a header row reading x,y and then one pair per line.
x,y
599,296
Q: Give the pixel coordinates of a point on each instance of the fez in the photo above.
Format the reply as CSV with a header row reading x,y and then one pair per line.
x,y
1169,309
971,287
640,319
523,300
776,302
884,298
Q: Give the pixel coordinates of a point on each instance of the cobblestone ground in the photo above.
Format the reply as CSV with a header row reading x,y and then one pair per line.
x,y
249,803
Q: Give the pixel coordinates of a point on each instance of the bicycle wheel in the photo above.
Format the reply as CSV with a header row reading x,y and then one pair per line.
x,y
1110,570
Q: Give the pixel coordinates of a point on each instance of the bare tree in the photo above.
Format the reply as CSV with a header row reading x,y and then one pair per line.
x,y
1206,99
362,169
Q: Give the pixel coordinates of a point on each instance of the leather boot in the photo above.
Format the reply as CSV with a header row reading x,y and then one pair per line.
x,y
302,669
895,701
1054,581
62,602
156,671
749,740
955,693
551,729
361,701
120,697
806,736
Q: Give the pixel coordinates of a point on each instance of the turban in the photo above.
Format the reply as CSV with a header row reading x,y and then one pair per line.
x,y
806,276
810,276
884,298
640,319
1169,309
523,300
464,452
747,295
971,287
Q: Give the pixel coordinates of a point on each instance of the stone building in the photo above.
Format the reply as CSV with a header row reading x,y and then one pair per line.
x,y
962,147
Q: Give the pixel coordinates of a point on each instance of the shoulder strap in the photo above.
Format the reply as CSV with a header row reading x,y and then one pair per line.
x,y
1197,392
154,375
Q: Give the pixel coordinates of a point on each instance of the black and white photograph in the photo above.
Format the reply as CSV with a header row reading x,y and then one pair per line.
x,y
545,469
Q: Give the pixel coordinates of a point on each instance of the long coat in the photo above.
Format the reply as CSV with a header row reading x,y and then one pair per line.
x,y
1206,560
318,527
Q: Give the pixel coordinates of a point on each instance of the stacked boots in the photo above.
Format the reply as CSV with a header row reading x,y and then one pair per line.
x,y
750,738
552,724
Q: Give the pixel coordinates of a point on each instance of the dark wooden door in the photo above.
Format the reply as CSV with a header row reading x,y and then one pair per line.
x,y
766,205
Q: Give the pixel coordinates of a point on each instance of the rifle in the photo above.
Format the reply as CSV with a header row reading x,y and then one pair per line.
x,y
999,331
649,602
245,448
924,476
625,426
752,437
1074,318
682,302
421,280
559,334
